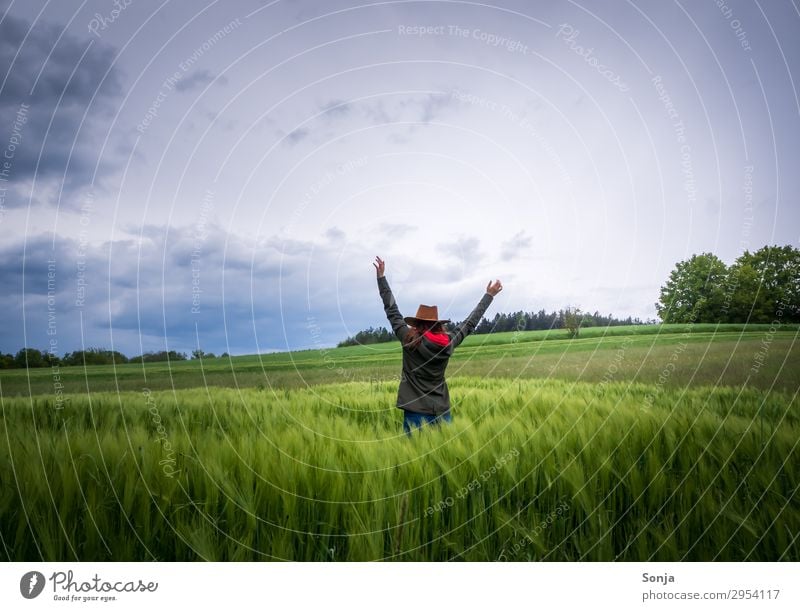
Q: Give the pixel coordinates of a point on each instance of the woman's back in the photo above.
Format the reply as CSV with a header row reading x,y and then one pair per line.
x,y
426,353
423,388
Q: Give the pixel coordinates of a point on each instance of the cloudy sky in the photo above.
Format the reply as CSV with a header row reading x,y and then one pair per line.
x,y
218,174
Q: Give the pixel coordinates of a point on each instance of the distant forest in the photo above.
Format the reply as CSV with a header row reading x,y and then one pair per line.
x,y
31,358
515,321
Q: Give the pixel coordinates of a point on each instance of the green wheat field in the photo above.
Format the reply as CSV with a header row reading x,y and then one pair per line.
x,y
635,443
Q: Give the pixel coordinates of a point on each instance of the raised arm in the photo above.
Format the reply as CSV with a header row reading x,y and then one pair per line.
x,y
469,324
399,325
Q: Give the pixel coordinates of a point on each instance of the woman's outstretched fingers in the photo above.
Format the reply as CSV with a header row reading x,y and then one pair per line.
x,y
380,266
494,288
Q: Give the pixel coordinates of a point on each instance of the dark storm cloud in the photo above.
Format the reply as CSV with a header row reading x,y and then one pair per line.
x,y
67,89
29,262
161,289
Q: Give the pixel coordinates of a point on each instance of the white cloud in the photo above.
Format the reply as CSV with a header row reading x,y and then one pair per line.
x,y
511,249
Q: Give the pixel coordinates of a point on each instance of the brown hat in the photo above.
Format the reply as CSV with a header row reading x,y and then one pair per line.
x,y
425,313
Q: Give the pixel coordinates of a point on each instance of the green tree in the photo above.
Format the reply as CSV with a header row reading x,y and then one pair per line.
x,y
743,301
29,357
572,321
368,336
695,291
155,357
763,284
94,356
50,359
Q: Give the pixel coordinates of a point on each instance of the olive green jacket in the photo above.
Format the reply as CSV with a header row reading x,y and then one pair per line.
x,y
423,388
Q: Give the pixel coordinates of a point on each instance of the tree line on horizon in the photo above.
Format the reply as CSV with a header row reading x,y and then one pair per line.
x,y
514,321
27,358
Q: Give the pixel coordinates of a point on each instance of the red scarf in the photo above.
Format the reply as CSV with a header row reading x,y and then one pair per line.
x,y
437,338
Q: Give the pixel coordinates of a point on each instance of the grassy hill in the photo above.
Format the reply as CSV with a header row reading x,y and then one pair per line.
x,y
701,354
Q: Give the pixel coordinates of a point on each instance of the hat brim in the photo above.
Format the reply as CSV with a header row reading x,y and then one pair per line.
x,y
411,320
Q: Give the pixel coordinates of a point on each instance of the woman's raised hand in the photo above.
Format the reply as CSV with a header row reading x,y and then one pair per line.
x,y
494,287
380,266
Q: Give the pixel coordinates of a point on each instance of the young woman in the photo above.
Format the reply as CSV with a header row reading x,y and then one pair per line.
x,y
427,347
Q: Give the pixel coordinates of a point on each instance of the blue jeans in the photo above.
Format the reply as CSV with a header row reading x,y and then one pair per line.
x,y
412,419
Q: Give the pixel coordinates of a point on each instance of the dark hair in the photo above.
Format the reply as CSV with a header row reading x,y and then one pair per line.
x,y
414,335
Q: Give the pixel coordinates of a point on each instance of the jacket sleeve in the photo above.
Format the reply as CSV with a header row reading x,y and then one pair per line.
x,y
468,326
399,325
